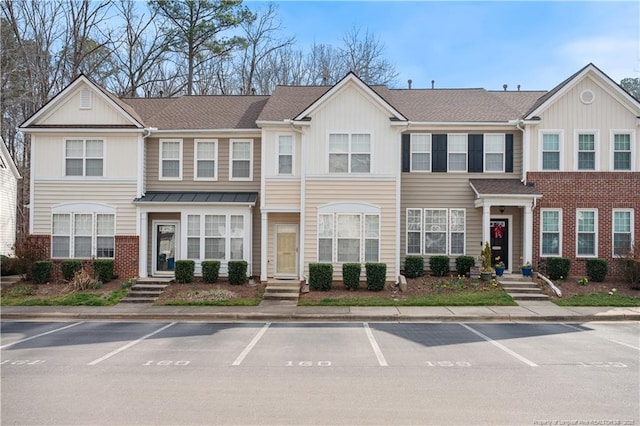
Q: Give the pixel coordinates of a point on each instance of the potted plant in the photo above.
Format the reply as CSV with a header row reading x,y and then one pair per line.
x,y
486,268
526,269
499,266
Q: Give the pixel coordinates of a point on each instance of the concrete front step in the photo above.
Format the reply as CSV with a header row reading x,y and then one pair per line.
x,y
280,296
128,299
282,290
528,296
147,292
521,290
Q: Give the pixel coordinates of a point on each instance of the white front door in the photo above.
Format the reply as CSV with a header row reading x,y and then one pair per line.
x,y
286,251
165,247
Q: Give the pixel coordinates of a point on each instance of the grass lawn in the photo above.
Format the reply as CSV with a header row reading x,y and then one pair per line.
x,y
73,299
598,299
231,302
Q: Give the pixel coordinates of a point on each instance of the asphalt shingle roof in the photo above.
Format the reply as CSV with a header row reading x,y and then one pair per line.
x,y
502,187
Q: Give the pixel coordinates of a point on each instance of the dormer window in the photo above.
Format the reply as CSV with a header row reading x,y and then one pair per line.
x,y
85,99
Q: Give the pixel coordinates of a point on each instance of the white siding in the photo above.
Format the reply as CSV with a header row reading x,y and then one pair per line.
x,y
270,145
8,194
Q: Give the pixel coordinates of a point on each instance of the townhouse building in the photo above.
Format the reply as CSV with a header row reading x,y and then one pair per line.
x,y
342,173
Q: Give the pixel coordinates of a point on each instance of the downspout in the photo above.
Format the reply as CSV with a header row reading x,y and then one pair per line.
x,y
302,224
525,152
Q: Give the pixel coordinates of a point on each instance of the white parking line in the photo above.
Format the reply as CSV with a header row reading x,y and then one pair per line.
x,y
498,345
41,334
128,345
251,344
605,338
376,349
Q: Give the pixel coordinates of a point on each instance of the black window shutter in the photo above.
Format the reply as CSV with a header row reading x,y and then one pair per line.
x,y
475,148
406,152
508,153
439,153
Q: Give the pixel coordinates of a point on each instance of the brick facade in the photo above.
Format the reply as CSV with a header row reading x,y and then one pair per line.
x,y
569,191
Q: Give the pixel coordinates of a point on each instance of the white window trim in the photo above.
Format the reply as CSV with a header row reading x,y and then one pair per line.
x,y
293,155
595,230
411,169
596,147
231,178
541,151
466,153
485,152
406,248
632,134
84,157
160,165
362,236
464,233
350,153
64,209
542,253
423,231
613,229
215,160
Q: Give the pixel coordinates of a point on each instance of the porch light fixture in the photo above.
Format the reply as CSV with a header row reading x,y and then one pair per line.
x,y
501,209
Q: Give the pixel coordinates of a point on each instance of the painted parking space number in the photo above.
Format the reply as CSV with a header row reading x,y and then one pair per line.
x,y
165,363
448,364
308,364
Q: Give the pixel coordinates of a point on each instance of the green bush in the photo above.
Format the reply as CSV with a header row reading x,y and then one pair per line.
x,y
597,269
439,265
464,265
558,267
9,265
237,271
210,270
351,275
69,267
320,276
376,276
413,266
103,269
42,271
184,270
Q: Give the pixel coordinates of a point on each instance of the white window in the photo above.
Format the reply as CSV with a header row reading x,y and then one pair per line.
x,y
205,158
587,232
236,242
325,238
371,238
83,235
193,236
551,228
216,236
215,232
551,151
420,152
457,151
494,152
170,159
241,159
349,153
586,151
348,237
622,231
84,157
436,231
622,151
285,155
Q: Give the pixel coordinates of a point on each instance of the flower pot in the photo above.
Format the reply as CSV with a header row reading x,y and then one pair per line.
x,y
526,272
499,271
486,276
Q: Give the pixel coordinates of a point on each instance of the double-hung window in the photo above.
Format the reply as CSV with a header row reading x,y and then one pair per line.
x,y
420,152
170,159
414,231
216,236
348,237
457,231
622,151
494,152
457,150
550,151
206,155
325,238
236,243
436,231
193,236
551,223
587,232
285,155
586,151
83,235
349,153
241,159
84,157
622,231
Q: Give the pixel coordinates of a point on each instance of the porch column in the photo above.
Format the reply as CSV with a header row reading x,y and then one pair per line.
x,y
527,237
486,224
142,244
264,233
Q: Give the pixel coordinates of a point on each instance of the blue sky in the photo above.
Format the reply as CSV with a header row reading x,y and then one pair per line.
x,y
480,44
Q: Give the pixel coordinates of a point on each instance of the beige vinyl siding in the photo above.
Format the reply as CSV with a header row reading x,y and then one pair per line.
x,y
153,183
8,200
100,113
568,114
273,220
381,193
120,195
282,193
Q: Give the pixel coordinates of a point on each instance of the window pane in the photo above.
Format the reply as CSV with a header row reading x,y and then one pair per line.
x,y
457,162
586,221
413,243
550,142
94,149
241,151
586,142
586,244
82,247
325,250
622,161
325,226
494,162
360,143
193,248
414,219
94,167
73,167
457,143
338,163
82,224
193,225
105,224
621,244
285,145
206,169
214,225
435,226
214,248
621,221
105,247
586,160
339,142
371,250
550,244
420,162
360,163
550,221
171,150
348,250
170,168
237,226
285,164
237,245
551,161
75,148
371,226
61,224
420,142
60,247
457,243
206,150
622,142
348,226
493,143
457,220
241,169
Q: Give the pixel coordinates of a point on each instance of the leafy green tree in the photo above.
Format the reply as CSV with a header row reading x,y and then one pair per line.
x,y
631,85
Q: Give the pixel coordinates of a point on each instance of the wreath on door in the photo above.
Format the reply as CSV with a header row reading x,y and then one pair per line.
x,y
498,231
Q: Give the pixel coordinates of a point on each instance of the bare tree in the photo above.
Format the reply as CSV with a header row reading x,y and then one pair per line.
x,y
363,54
285,66
324,65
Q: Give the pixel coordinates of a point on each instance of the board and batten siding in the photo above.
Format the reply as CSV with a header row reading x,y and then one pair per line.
x,y
380,193
118,194
153,183
568,114
8,201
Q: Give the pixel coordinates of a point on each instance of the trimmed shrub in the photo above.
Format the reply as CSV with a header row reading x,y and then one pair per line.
x,y
558,267
413,266
69,267
376,276
184,270
237,272
9,265
42,271
439,265
210,270
103,269
597,269
464,265
320,276
351,275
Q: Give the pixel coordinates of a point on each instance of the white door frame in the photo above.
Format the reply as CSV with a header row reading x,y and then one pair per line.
x,y
509,219
275,247
154,245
